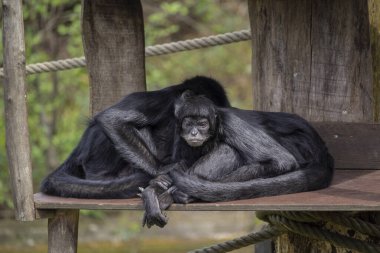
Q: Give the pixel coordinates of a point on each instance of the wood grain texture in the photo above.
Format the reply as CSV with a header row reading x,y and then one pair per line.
x,y
351,190
312,58
17,134
113,40
353,145
63,232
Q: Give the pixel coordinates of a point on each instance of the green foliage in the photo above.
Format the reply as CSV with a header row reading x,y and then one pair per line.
x,y
57,102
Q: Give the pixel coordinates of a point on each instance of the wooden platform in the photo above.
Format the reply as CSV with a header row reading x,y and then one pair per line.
x,y
353,190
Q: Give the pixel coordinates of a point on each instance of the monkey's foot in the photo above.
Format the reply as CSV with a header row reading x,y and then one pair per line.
x,y
182,198
158,218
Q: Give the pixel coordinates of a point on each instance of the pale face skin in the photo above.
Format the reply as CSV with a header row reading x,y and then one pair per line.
x,y
195,130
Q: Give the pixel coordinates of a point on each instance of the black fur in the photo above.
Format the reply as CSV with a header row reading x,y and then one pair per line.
x,y
250,154
275,153
117,152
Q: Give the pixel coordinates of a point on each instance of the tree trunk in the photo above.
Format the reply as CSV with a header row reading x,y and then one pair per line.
x,y
17,133
113,40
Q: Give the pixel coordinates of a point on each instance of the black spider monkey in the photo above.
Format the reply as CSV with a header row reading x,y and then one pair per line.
x,y
117,152
229,154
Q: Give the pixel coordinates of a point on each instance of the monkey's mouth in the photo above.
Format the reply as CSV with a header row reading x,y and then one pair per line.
x,y
195,142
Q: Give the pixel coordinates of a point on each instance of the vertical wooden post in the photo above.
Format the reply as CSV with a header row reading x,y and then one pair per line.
x,y
63,232
113,38
312,58
17,134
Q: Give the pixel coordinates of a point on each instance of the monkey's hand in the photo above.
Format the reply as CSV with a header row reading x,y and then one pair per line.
x,y
180,196
154,218
162,182
165,199
153,214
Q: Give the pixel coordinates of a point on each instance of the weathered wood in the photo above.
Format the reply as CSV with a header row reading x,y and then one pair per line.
x,y
312,58
113,39
357,190
353,145
374,17
45,213
17,134
63,232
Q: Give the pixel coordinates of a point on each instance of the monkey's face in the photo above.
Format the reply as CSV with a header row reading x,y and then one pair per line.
x,y
195,130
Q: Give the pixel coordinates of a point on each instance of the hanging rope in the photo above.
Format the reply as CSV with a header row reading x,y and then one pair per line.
x,y
266,233
162,49
304,224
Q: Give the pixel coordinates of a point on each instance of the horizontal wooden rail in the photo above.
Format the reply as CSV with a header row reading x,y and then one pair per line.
x,y
354,190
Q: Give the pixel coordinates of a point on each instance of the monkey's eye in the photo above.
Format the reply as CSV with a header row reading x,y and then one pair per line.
x,y
203,123
186,122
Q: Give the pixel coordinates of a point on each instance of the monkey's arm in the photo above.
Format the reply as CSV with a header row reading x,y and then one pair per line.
x,y
131,136
311,178
158,197
216,164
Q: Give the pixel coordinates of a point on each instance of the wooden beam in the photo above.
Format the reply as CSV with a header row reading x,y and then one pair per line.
x,y
63,232
312,58
113,39
17,134
351,190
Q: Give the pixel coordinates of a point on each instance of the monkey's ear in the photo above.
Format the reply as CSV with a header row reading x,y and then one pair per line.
x,y
181,100
177,105
187,94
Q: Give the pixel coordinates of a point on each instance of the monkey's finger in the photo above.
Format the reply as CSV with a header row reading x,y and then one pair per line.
x,y
144,220
162,220
163,185
139,195
172,189
141,189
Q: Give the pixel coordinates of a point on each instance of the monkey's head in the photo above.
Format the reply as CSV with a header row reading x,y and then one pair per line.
x,y
196,118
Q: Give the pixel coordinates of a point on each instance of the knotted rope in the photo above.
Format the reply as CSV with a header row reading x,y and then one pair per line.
x,y
155,50
304,224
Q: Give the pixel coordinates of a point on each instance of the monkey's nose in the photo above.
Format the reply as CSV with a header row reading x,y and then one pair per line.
x,y
194,132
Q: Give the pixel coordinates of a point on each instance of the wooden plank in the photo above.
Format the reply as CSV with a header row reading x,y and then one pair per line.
x,y
353,145
17,134
357,190
63,232
113,40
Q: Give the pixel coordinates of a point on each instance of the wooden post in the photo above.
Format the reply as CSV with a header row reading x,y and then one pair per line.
x,y
17,134
63,232
113,39
312,58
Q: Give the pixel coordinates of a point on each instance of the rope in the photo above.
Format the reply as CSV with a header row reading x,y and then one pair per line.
x,y
304,224
161,49
266,233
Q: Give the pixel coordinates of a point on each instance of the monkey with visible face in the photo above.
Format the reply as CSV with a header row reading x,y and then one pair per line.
x,y
118,151
222,154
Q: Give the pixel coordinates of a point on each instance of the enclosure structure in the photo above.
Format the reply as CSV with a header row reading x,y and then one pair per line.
x,y
309,57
